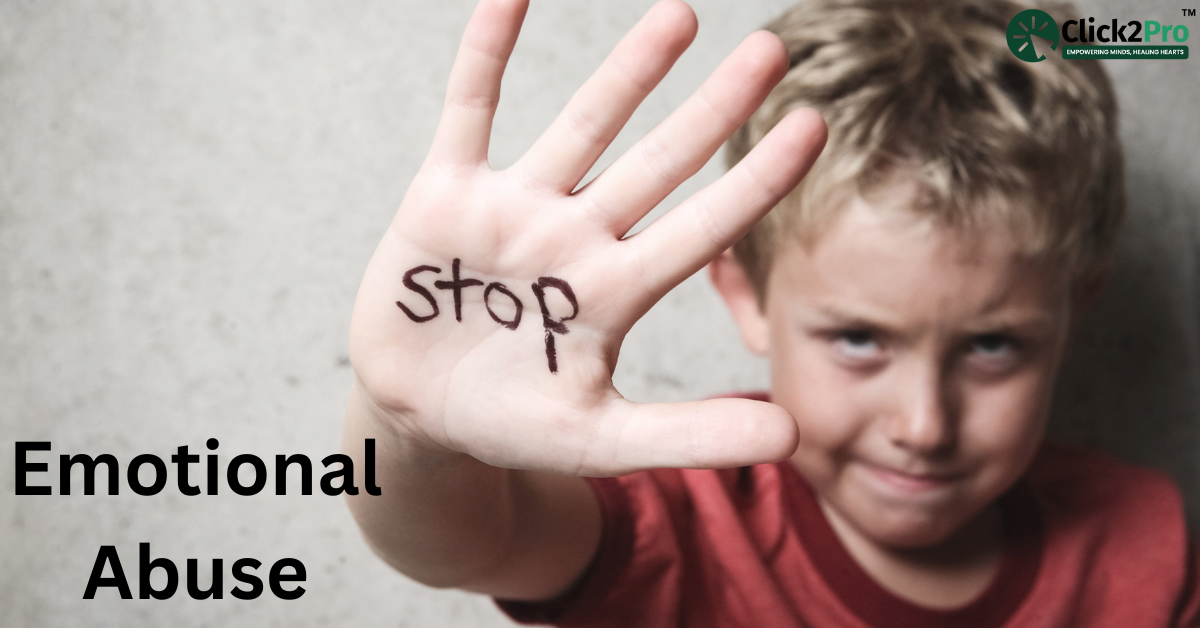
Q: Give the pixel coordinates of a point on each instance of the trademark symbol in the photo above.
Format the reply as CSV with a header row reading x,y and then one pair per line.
x,y
1189,12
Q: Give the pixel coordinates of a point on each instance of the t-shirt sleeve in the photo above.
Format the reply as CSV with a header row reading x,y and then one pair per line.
x,y
635,572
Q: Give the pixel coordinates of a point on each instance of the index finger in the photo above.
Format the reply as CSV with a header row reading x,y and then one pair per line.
x,y
465,130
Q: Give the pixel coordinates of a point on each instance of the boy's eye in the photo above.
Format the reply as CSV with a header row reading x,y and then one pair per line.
x,y
995,349
857,344
993,344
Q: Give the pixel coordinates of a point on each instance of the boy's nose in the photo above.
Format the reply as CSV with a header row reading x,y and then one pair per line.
x,y
922,420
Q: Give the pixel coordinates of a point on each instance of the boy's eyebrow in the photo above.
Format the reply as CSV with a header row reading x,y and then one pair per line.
x,y
867,317
1017,318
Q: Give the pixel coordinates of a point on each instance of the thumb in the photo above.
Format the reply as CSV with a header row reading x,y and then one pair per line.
x,y
712,434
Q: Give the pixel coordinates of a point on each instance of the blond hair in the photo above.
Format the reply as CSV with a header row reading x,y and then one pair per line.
x,y
928,90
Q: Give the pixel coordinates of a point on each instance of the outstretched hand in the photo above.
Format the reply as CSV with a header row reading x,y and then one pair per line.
x,y
490,317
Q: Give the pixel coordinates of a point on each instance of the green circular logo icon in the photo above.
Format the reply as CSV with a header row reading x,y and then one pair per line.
x,y
1030,30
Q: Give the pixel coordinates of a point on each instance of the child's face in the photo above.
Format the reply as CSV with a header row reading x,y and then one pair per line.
x,y
917,362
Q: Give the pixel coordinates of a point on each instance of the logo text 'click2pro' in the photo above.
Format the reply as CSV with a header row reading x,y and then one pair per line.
x,y
1032,31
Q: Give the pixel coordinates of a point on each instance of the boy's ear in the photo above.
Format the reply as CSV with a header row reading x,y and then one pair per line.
x,y
735,288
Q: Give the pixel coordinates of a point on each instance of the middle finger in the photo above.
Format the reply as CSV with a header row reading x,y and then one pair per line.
x,y
595,114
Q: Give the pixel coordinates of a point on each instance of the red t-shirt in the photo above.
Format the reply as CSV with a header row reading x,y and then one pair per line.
x,y
1089,542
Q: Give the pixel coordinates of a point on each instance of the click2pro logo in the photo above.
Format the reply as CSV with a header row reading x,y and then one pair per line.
x,y
1033,33
1029,30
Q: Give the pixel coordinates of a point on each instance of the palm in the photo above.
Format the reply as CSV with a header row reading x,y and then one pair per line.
x,y
524,378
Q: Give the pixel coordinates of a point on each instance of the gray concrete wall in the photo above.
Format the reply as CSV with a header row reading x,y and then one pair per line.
x,y
190,191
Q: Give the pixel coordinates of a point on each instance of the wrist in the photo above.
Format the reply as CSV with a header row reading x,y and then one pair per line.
x,y
393,427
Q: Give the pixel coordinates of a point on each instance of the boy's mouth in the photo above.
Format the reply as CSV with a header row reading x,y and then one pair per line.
x,y
894,480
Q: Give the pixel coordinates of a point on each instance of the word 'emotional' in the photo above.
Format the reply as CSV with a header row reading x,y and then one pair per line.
x,y
457,284
334,482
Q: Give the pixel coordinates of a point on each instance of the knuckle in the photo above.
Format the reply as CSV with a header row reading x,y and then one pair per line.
x,y
472,101
658,159
638,76
710,226
589,127
764,188
725,119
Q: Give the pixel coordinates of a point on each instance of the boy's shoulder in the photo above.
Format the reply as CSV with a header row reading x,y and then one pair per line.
x,y
1115,541
1096,509
1071,479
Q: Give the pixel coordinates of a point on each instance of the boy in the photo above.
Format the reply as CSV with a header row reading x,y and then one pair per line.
x,y
913,294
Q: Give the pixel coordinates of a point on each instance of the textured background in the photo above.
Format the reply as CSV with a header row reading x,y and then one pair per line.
x,y
189,193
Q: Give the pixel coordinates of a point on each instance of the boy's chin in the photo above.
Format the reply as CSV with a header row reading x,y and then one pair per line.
x,y
913,537
916,530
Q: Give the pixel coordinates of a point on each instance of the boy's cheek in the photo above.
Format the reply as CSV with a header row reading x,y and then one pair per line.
x,y
822,399
1009,417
